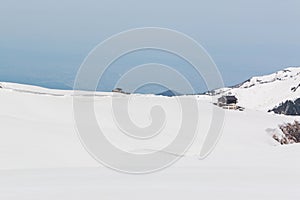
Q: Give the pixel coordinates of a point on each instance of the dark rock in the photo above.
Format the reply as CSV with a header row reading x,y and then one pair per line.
x,y
288,108
294,89
291,133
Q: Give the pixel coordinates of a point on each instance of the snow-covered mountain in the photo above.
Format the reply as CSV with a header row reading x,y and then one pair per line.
x,y
41,156
258,93
266,92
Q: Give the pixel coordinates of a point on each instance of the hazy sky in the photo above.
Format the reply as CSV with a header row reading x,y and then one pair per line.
x,y
44,42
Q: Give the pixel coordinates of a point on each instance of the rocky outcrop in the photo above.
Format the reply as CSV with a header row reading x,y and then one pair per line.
x,y
294,89
291,133
288,108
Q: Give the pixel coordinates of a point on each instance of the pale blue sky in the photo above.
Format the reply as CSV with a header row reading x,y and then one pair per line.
x,y
44,42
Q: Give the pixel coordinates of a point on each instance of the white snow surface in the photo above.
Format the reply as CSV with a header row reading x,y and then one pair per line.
x,y
266,92
41,156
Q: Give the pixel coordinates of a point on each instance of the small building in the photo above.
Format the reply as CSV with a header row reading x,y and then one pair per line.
x,y
119,90
228,102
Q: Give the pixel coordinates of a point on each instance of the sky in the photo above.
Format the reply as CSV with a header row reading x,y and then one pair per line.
x,y
44,42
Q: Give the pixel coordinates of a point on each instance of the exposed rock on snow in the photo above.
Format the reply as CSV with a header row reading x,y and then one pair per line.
x,y
288,108
294,89
291,133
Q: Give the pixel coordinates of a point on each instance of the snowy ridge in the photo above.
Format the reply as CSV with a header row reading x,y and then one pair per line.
x,y
258,93
265,92
283,75
31,89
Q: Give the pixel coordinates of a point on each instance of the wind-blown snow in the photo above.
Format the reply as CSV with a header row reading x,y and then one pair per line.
x,y
41,156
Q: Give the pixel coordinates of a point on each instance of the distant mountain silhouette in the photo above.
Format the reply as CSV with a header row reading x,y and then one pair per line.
x,y
169,93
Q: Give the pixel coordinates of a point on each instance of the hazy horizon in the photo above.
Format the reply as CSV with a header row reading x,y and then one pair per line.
x,y
44,43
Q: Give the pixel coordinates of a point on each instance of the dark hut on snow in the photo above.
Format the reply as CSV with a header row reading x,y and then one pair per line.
x,y
228,101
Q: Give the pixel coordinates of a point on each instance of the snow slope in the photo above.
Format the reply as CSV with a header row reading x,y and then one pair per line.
x,y
41,156
266,92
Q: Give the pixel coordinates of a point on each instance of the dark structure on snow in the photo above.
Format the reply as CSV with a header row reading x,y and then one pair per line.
x,y
119,90
226,100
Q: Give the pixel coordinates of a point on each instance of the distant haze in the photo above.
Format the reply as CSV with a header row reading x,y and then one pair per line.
x,y
44,42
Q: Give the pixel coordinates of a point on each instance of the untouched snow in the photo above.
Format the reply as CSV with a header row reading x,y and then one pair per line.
x,y
41,156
